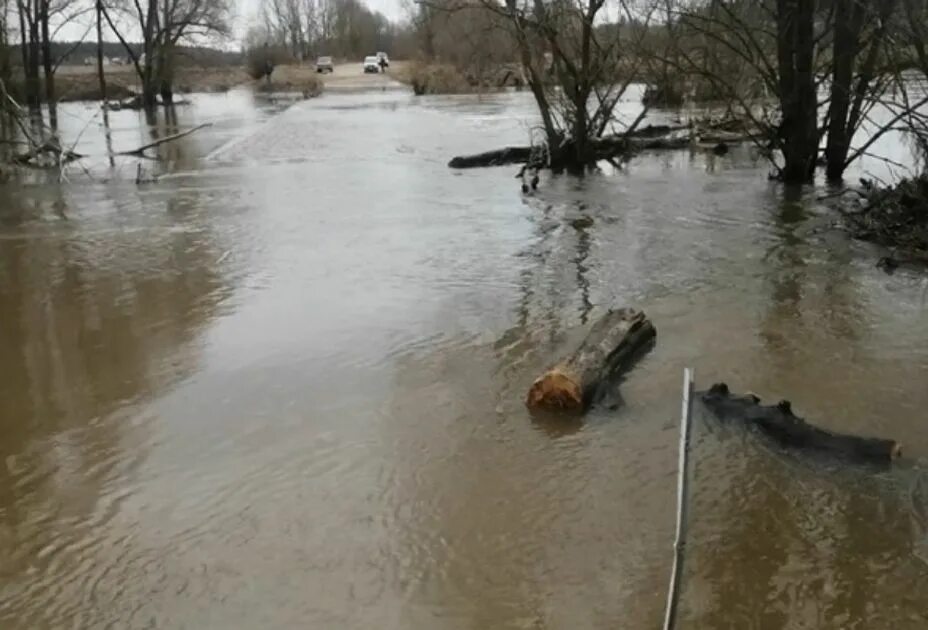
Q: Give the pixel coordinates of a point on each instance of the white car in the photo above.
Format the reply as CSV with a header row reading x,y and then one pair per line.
x,y
371,64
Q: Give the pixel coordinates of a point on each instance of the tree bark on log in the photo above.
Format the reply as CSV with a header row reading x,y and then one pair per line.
x,y
609,347
650,138
140,152
500,157
779,423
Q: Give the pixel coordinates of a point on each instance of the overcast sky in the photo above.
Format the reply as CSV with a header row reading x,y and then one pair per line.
x,y
245,11
393,9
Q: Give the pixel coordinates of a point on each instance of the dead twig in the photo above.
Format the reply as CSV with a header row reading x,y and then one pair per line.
x,y
140,152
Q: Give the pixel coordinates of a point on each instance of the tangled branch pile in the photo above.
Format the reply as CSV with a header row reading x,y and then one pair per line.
x,y
895,216
435,79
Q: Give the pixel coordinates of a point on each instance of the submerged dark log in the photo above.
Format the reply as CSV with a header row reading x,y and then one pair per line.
x,y
652,131
611,345
649,138
779,422
47,155
501,157
140,152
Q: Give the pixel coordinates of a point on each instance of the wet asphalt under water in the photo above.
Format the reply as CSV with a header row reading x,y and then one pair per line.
x,y
282,386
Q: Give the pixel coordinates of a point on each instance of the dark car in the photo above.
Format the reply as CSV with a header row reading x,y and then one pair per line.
x,y
324,64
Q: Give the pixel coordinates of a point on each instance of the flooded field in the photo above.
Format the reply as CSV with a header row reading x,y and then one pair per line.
x,y
282,385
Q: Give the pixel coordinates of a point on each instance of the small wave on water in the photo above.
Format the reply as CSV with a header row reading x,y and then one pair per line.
x,y
284,386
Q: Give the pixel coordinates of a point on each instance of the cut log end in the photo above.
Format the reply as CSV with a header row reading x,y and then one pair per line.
x,y
610,347
555,390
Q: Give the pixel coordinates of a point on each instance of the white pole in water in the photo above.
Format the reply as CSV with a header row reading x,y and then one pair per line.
x,y
670,619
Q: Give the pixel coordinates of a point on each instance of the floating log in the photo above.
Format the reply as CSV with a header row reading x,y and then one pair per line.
x,y
133,101
787,429
653,131
509,155
649,138
611,345
140,152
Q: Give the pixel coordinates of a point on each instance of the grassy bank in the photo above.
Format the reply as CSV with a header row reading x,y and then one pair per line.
x,y
436,78
291,79
79,83
433,79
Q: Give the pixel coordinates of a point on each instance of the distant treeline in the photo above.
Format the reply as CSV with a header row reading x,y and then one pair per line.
x,y
75,53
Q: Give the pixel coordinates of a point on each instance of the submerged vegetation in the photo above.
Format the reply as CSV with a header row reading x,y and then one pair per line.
x,y
895,216
434,79
814,84
443,78
807,74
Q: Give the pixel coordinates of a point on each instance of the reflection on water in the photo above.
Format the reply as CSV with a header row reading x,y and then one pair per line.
x,y
282,386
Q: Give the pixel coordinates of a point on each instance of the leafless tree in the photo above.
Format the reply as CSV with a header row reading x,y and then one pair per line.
x,y
6,67
908,57
163,24
822,62
27,12
101,76
39,23
579,57
286,23
346,28
465,35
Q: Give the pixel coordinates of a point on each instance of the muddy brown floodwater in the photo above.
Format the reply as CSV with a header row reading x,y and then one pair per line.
x,y
282,386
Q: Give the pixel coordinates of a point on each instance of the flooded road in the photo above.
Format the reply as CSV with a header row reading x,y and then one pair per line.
x,y
282,386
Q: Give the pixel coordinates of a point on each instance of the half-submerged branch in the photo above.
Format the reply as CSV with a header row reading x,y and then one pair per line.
x,y
649,138
610,347
139,152
500,157
779,423
49,153
46,155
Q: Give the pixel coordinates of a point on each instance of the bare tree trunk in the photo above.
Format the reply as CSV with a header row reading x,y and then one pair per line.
x,y
848,23
848,96
23,46
582,90
101,77
798,100
29,34
149,78
48,63
5,48
149,91
166,71
33,91
535,80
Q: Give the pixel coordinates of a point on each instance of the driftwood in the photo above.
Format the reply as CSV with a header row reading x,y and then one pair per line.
x,y
611,345
648,138
177,136
135,102
892,216
47,154
520,155
500,157
779,423
58,156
